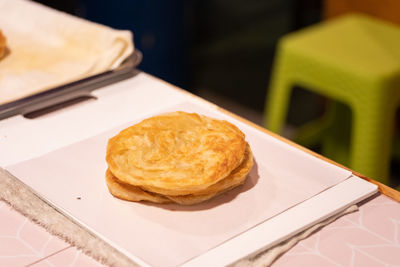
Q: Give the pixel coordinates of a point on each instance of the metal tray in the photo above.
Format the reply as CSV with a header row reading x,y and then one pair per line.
x,y
71,92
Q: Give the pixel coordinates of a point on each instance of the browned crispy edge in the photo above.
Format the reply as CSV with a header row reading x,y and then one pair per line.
x,y
3,41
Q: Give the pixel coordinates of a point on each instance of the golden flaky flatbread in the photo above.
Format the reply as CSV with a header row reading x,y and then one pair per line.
x,y
131,192
176,153
135,193
2,44
234,179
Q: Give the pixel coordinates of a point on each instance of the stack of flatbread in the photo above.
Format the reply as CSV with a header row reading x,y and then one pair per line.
x,y
177,157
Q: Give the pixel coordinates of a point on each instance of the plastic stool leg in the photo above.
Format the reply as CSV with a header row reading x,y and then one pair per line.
x,y
277,107
372,139
311,133
335,144
277,103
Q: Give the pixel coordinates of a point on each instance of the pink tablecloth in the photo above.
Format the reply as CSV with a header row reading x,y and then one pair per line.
x,y
370,237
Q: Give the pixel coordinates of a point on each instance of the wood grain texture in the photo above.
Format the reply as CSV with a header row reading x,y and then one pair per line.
x,y
387,10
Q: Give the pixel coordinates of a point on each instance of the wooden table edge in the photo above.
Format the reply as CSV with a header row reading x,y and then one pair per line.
x,y
384,189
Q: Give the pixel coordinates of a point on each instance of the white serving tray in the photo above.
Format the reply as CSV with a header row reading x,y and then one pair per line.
x,y
288,190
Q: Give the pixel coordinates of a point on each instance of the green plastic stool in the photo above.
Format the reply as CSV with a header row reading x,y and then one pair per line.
x,y
353,60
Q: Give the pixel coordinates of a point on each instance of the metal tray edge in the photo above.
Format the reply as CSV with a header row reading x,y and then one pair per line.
x,y
67,92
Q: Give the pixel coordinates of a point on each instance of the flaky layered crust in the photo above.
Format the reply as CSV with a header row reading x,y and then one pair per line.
x,y
176,153
135,193
2,44
234,179
131,192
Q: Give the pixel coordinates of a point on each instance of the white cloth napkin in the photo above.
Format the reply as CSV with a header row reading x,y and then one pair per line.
x,y
268,257
47,48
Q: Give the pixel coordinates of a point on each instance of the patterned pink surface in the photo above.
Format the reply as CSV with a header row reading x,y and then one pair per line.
x,y
69,257
24,243
370,237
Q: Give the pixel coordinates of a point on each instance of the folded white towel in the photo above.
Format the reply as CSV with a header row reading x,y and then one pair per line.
x,y
47,48
268,257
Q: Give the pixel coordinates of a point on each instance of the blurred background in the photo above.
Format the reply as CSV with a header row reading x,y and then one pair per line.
x,y
222,50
